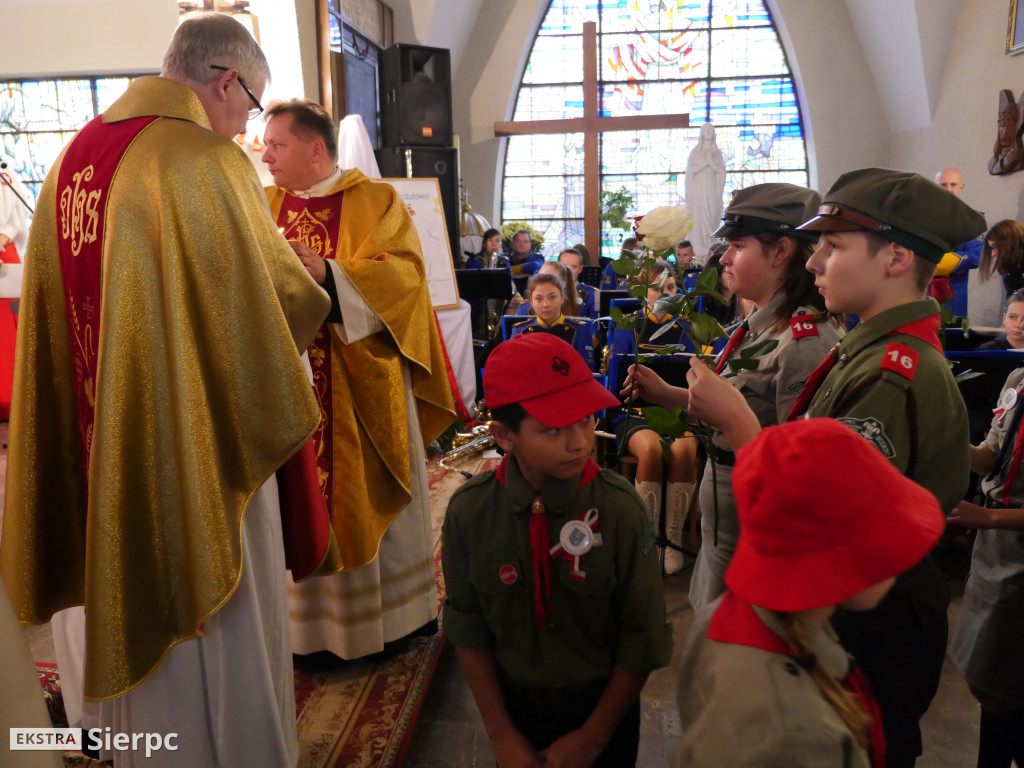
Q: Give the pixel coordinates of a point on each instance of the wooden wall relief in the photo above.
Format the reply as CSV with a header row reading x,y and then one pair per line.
x,y
1008,152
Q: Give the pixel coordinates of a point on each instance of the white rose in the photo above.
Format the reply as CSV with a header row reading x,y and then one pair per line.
x,y
665,226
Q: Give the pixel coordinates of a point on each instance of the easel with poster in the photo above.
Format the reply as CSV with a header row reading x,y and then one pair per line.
x,y
423,198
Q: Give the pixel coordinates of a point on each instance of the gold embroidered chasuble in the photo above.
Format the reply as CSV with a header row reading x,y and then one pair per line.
x,y
367,476
200,394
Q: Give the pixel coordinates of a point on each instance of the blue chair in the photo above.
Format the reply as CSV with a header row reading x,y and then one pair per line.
x,y
507,321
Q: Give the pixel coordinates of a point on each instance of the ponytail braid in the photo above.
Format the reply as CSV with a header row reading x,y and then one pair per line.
x,y
844,703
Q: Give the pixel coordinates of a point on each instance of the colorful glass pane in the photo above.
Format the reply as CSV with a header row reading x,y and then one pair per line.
x,y
109,90
553,154
645,56
713,60
656,98
751,52
555,60
549,102
39,117
567,17
634,15
747,102
739,13
557,198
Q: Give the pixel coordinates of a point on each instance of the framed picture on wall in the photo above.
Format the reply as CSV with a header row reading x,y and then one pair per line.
x,y
1015,29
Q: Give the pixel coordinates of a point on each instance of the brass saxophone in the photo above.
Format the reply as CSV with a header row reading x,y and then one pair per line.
x,y
466,444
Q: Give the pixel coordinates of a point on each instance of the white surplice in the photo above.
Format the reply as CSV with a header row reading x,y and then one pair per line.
x,y
229,695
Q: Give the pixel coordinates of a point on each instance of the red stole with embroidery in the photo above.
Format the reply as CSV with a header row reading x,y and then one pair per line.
x,y
83,181
314,222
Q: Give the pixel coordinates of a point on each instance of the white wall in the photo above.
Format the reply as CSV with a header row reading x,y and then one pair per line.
x,y
91,37
46,38
844,121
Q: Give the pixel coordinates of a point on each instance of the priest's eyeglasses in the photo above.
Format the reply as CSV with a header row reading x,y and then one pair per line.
x,y
257,108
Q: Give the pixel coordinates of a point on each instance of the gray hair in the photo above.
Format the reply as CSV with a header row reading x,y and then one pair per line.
x,y
209,38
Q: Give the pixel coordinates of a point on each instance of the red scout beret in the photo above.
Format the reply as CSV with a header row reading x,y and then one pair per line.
x,y
823,516
547,377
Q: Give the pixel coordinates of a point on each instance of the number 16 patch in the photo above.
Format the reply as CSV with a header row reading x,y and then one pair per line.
x,y
901,359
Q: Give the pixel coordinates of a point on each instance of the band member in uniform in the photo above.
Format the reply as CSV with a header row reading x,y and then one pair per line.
x,y
547,296
587,300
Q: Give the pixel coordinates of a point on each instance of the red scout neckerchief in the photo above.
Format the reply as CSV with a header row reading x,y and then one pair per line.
x,y
897,357
540,543
83,181
735,622
734,341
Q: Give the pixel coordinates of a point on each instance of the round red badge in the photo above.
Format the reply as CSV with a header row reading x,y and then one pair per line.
x,y
508,574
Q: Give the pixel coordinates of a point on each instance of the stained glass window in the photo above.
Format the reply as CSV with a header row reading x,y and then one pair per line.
x,y
38,117
718,61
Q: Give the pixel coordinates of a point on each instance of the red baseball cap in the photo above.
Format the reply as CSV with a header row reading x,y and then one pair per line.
x,y
823,516
547,377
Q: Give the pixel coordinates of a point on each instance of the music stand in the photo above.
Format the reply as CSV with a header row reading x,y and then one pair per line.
x,y
591,275
607,296
478,286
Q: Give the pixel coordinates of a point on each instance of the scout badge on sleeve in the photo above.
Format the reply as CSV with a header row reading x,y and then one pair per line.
x,y
576,538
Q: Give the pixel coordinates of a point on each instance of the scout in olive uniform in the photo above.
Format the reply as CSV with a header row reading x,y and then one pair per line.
x,y
765,263
986,645
814,535
555,601
883,233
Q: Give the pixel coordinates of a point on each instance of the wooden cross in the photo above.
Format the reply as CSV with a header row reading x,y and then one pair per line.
x,y
590,125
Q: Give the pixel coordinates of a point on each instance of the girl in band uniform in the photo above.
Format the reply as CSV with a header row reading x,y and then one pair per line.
x,y
548,297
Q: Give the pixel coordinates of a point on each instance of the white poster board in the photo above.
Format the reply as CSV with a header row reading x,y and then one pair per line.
x,y
423,198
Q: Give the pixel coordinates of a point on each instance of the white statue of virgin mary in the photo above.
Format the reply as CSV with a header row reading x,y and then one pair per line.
x,y
704,185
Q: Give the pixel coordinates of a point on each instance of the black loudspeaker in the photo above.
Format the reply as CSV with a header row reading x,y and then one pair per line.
x,y
429,163
415,97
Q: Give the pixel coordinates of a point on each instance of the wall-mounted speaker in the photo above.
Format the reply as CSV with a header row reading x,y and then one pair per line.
x,y
415,96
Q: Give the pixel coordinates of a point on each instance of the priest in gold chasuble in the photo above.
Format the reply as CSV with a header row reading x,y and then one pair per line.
x,y
159,388
379,375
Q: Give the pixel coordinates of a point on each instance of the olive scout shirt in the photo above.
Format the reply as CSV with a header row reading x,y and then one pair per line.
x,y
614,615
906,405
741,706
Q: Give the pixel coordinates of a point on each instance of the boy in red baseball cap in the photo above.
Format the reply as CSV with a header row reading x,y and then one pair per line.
x,y
554,597
814,535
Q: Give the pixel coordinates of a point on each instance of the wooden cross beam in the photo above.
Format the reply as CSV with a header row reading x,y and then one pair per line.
x,y
591,125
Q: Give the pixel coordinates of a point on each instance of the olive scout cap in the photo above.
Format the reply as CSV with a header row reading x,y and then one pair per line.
x,y
823,516
769,208
902,207
547,377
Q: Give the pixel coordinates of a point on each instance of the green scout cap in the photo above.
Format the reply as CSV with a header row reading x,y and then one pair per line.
x,y
902,207
769,208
